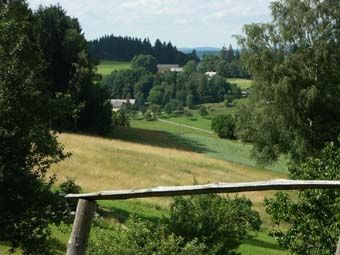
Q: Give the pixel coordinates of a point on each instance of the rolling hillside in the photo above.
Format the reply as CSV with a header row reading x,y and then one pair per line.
x,y
105,163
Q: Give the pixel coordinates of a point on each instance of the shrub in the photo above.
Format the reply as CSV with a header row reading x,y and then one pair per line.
x,y
203,111
223,126
168,108
219,223
121,119
229,101
69,187
188,114
141,237
149,116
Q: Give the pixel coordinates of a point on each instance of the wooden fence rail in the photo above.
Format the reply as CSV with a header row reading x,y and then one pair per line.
x,y
86,204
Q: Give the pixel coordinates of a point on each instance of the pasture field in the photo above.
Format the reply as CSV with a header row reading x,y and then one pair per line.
x,y
242,83
107,66
103,163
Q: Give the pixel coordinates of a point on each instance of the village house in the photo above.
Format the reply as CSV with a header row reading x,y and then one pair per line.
x,y
169,67
210,74
118,103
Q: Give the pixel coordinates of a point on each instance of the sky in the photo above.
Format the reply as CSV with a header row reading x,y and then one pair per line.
x,y
186,23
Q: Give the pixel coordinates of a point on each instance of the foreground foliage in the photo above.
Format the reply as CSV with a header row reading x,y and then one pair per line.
x,y
27,145
313,218
219,223
208,224
140,237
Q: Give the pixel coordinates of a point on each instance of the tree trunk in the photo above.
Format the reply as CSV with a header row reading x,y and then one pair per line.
x,y
81,227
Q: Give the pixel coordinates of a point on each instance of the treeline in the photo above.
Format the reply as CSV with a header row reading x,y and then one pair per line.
x,y
120,48
227,64
168,89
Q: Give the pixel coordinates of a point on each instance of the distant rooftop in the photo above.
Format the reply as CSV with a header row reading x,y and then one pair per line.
x,y
169,67
117,103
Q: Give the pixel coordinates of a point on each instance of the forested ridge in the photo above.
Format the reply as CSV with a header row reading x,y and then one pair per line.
x,y
110,47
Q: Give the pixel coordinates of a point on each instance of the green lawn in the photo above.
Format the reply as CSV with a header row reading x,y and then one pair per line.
x,y
242,83
107,66
206,143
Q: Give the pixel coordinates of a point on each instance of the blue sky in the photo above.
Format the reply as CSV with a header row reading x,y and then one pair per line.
x,y
186,23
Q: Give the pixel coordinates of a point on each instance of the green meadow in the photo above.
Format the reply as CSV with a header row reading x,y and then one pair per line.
x,y
107,66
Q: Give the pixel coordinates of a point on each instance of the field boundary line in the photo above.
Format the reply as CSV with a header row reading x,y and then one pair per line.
x,y
187,126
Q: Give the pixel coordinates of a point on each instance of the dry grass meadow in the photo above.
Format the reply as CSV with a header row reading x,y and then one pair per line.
x,y
107,164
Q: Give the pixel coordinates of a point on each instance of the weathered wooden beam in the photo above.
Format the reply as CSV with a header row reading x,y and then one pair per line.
x,y
81,227
338,248
209,188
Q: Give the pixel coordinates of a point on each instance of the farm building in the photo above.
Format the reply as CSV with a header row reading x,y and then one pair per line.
x,y
168,67
210,74
118,103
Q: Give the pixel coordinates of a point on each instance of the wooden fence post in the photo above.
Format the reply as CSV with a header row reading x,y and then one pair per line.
x,y
81,227
338,249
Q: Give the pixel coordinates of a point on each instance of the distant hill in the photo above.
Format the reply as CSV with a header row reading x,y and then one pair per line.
x,y
201,51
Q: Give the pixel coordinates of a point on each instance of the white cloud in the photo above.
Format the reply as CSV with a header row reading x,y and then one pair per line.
x,y
185,22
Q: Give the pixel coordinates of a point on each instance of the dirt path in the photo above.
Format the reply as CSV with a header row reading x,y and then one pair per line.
x,y
182,125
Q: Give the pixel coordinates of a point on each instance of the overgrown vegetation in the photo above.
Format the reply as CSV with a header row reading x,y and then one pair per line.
x,y
206,224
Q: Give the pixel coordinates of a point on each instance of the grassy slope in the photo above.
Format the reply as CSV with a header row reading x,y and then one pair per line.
x,y
206,143
100,163
107,66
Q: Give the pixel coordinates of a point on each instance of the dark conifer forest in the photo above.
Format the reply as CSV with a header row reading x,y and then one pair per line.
x,y
110,47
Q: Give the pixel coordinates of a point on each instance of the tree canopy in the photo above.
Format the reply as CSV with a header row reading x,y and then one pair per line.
x,y
294,62
70,71
313,217
148,62
120,48
28,146
189,87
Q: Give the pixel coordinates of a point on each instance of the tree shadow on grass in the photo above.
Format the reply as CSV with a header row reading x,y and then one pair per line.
x,y
263,244
122,215
158,138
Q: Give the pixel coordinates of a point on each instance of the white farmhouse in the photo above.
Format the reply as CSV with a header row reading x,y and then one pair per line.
x,y
210,74
118,103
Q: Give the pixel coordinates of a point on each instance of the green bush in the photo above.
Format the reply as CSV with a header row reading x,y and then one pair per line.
x,y
141,237
219,223
313,217
69,187
121,119
223,126
188,114
203,111
149,116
